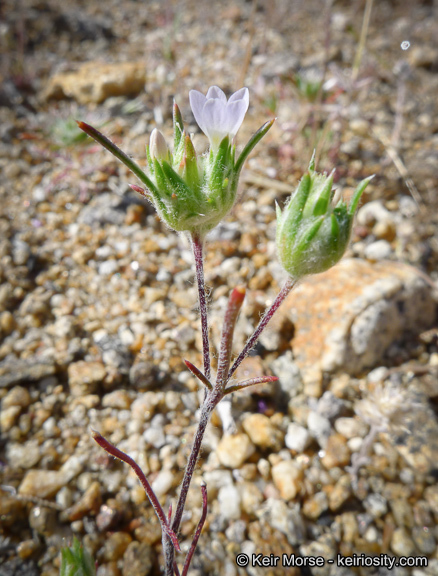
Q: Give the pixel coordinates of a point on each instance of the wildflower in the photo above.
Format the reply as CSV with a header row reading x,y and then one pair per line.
x,y
194,193
216,117
312,233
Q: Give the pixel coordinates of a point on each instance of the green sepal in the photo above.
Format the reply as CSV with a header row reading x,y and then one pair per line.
x,y
162,182
309,235
220,165
150,160
176,183
278,213
311,167
253,141
354,202
293,212
191,171
76,561
178,126
323,201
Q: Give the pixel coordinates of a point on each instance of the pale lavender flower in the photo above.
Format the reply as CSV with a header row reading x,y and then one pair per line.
x,y
216,116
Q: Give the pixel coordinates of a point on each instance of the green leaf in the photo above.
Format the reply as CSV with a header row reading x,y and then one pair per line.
x,y
254,140
354,203
119,154
76,561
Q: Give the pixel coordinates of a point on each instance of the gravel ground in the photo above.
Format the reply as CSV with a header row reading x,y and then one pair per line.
x,y
98,301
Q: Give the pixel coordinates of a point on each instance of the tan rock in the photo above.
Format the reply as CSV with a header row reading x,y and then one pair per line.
x,y
232,451
89,502
350,315
262,432
42,483
340,493
85,377
251,497
18,396
119,399
314,506
337,452
8,417
287,478
94,82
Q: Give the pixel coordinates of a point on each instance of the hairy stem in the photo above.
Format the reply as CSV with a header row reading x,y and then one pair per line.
x,y
287,287
210,402
234,305
111,449
198,531
197,244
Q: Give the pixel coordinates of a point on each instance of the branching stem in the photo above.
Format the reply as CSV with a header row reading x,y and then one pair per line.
x,y
281,296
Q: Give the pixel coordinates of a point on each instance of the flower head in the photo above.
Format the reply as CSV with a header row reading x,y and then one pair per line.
x,y
193,193
312,233
218,117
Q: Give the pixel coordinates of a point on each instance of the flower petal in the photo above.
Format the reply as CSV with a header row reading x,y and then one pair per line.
x,y
216,92
197,102
242,94
235,113
214,116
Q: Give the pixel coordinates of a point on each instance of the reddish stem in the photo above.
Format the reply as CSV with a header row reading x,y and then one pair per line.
x,y
197,244
199,375
198,531
111,449
281,296
234,305
251,382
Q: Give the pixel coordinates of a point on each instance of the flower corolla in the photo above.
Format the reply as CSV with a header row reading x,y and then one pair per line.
x,y
216,116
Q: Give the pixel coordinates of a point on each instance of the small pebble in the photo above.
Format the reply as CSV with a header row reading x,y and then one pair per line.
x,y
287,478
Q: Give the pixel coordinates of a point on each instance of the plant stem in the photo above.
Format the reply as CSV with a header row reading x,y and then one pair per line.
x,y
198,531
206,410
281,296
211,400
234,305
116,453
197,244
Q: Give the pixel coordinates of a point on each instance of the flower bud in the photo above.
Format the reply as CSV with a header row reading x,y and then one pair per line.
x,y
312,233
158,147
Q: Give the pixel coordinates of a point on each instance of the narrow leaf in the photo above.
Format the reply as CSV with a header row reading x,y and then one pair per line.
x,y
119,154
357,195
199,375
254,140
251,382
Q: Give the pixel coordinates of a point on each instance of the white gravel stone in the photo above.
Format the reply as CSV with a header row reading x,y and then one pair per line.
x,y
297,437
229,502
319,427
163,482
379,250
350,427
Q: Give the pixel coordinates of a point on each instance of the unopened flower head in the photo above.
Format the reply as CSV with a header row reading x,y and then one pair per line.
x,y
312,232
216,116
